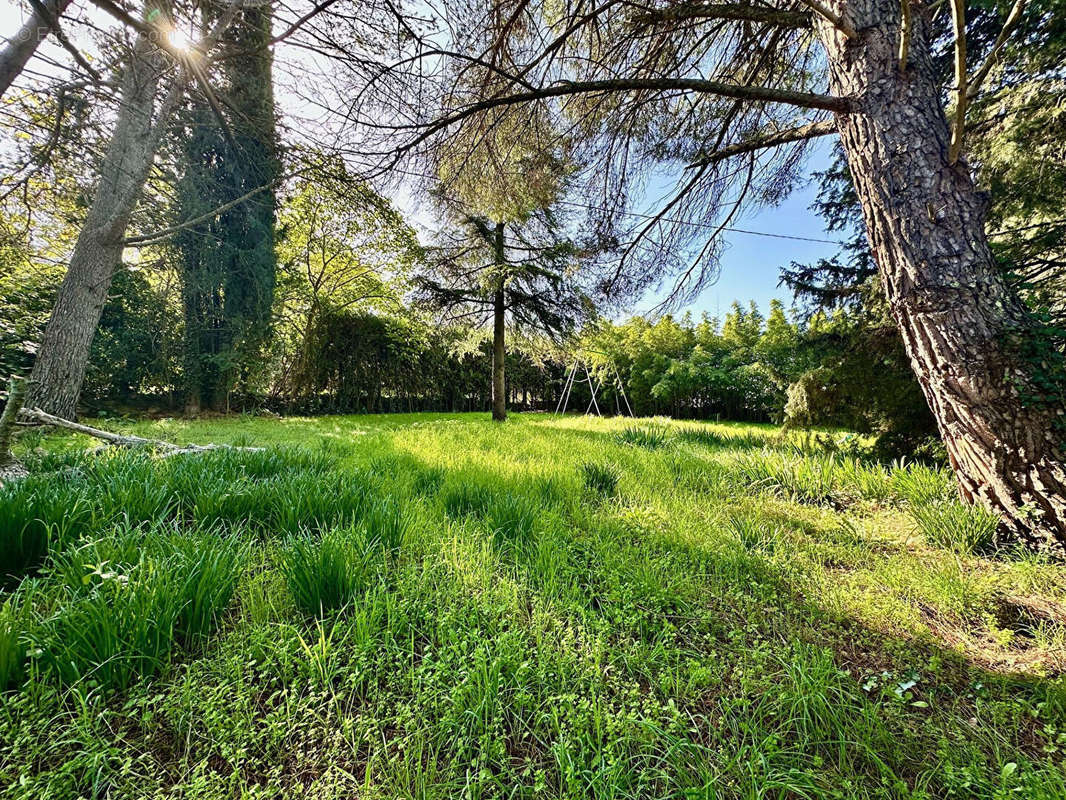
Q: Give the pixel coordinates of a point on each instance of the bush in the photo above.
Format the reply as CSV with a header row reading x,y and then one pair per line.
x,y
600,478
969,529
324,574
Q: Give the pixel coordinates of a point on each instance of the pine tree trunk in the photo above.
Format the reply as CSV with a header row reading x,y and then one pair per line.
x,y
499,352
925,222
62,358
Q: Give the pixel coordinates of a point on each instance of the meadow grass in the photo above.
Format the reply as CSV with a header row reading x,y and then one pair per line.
x,y
436,606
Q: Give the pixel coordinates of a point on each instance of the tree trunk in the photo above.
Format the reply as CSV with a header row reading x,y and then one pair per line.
x,y
63,355
10,467
925,223
21,47
499,353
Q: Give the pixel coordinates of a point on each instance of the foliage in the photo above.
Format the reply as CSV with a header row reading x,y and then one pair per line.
x,y
228,261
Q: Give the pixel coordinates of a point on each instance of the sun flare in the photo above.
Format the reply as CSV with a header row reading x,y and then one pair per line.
x,y
180,40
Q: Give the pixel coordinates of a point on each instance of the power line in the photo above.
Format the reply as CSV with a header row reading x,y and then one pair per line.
x,y
707,225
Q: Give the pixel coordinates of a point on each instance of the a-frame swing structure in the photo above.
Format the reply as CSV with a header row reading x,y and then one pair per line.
x,y
581,364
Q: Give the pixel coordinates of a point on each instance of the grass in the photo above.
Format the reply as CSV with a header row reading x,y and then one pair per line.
x,y
435,606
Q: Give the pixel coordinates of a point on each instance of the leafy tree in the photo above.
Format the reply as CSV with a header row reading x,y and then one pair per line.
x,y
344,248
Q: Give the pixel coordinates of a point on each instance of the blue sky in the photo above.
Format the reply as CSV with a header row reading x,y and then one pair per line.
x,y
751,264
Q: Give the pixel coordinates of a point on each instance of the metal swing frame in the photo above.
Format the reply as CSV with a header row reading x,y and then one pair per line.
x,y
572,378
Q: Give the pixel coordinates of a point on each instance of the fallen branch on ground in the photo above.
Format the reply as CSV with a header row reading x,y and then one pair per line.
x,y
166,449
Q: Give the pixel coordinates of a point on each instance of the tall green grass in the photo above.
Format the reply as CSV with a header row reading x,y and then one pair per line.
x,y
325,573
956,526
827,478
14,625
124,620
650,437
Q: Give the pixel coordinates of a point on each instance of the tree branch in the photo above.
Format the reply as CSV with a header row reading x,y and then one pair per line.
x,y
1013,19
810,131
904,34
19,49
838,21
49,15
731,11
166,448
958,128
145,239
840,105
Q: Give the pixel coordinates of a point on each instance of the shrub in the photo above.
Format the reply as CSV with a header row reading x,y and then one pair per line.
x,y
325,573
957,526
600,478
651,437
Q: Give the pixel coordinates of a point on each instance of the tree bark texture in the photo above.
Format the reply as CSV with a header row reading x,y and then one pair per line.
x,y
925,221
63,355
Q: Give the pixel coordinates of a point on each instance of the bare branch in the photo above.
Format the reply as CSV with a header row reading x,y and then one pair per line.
x,y
732,11
810,131
839,105
1013,19
838,21
145,239
904,34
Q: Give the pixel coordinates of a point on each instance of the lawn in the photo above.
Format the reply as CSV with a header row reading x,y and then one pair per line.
x,y
435,606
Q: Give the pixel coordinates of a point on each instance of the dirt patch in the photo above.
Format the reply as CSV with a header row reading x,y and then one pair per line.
x,y
1022,618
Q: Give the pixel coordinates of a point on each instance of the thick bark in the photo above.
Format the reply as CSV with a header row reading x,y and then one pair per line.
x,y
925,223
63,355
499,353
20,48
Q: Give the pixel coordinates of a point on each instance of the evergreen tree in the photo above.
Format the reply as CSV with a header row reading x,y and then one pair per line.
x,y
228,262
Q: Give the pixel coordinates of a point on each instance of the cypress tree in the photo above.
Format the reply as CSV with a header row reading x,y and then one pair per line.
x,y
228,263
